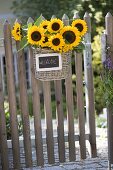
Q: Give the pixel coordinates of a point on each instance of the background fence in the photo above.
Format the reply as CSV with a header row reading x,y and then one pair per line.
x,y
56,85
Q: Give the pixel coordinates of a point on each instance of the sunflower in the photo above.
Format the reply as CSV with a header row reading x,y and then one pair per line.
x,y
44,24
35,35
17,32
71,36
45,43
56,42
55,25
81,25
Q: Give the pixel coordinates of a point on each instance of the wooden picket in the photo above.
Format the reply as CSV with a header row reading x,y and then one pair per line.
x,y
24,106
36,113
80,103
89,87
11,94
50,140
3,136
60,117
36,109
60,120
70,108
80,99
48,117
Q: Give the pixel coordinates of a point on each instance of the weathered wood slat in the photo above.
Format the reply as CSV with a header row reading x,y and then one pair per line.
x,y
59,117
24,105
60,120
70,108
48,117
36,113
3,135
2,72
80,103
11,94
70,118
109,33
89,87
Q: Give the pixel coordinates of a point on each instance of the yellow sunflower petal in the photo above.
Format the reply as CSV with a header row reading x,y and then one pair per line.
x,y
56,42
35,35
45,43
81,25
16,32
44,24
66,48
55,25
71,36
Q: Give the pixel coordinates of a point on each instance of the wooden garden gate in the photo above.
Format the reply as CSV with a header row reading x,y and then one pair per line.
x,y
61,139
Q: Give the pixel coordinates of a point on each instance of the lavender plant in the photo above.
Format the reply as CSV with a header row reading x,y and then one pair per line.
x,y
107,81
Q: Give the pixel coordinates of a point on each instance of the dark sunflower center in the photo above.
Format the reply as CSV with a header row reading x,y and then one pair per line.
x,y
69,36
55,26
36,36
56,41
19,31
46,40
45,26
79,27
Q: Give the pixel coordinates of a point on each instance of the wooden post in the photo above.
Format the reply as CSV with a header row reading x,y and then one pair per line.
x,y
70,108
3,135
11,95
24,105
109,33
36,113
89,87
48,117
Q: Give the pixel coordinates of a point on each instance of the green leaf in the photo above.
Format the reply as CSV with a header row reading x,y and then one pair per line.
x,y
39,20
23,43
24,27
30,24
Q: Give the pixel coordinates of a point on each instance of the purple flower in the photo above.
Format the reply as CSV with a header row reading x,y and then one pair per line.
x,y
108,64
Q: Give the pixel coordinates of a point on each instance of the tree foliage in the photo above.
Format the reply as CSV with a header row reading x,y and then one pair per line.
x,y
28,8
97,8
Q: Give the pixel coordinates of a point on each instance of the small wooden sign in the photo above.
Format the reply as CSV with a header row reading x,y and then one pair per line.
x,y
48,62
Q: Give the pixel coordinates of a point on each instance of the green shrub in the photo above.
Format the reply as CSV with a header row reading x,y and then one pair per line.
x,y
8,125
97,68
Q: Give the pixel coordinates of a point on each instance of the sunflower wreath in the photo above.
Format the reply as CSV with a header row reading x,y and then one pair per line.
x,y
51,34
